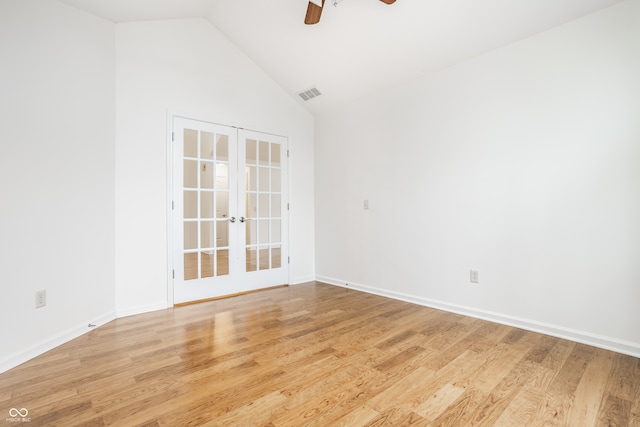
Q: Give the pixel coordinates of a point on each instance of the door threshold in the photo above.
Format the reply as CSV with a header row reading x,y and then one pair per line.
x,y
182,304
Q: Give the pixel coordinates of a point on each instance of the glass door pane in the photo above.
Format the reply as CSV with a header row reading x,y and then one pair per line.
x,y
262,211
206,204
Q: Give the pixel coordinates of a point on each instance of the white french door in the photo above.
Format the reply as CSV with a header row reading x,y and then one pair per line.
x,y
230,216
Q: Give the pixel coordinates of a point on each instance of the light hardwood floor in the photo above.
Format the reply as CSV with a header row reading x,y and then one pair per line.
x,y
315,354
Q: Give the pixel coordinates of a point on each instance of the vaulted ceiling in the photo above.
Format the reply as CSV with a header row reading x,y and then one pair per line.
x,y
359,46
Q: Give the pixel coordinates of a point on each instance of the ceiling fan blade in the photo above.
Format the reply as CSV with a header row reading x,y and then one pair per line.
x,y
388,1
313,13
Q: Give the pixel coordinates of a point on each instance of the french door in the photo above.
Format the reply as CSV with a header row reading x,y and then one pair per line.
x,y
230,216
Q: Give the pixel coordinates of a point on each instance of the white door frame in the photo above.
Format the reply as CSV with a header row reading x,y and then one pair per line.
x,y
171,241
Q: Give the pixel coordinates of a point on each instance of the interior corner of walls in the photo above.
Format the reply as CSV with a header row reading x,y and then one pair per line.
x,y
302,279
21,356
132,311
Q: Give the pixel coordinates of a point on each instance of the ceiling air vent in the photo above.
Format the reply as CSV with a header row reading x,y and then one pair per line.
x,y
309,94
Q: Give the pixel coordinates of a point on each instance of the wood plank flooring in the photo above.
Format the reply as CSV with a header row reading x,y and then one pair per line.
x,y
320,355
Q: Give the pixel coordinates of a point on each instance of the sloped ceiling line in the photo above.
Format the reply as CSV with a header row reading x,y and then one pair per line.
x,y
364,45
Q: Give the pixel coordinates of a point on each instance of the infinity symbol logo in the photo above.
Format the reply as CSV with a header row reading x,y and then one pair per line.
x,y
13,412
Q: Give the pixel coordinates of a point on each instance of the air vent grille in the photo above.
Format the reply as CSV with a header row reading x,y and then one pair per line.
x,y
309,94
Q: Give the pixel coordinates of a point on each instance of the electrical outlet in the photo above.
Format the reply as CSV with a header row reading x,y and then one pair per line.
x,y
474,276
41,298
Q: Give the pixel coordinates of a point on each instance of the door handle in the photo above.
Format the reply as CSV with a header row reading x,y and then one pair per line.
x,y
232,219
243,219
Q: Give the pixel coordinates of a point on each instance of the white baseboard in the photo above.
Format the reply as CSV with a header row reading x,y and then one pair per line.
x,y
35,350
29,353
132,311
302,279
607,343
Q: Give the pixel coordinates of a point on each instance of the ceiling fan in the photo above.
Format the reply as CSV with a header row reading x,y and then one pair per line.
x,y
314,10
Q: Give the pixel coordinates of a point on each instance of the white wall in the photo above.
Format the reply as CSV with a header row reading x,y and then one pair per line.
x,y
57,121
521,163
189,67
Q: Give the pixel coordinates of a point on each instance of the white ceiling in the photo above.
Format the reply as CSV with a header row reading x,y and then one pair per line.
x,y
360,46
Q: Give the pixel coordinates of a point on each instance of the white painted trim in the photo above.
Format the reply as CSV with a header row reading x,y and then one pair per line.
x,y
302,279
169,218
35,350
600,341
132,311
289,184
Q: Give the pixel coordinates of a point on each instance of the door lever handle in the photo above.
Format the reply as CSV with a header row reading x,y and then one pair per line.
x,y
232,219
243,219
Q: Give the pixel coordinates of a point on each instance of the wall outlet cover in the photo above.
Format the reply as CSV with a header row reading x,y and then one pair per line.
x,y
41,298
474,276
